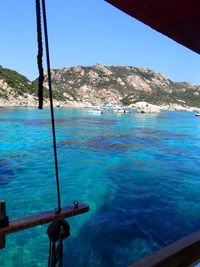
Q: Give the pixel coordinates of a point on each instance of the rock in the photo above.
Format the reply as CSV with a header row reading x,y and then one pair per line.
x,y
138,83
144,107
101,85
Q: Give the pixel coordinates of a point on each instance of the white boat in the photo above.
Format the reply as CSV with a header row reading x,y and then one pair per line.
x,y
95,111
197,114
118,110
105,108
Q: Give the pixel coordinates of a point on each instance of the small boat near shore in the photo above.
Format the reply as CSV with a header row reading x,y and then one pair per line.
x,y
95,111
118,110
181,25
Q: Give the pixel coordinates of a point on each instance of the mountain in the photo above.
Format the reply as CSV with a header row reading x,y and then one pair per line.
x,y
98,84
15,89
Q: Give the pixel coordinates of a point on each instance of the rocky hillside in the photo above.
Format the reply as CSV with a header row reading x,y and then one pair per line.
x,y
98,84
14,88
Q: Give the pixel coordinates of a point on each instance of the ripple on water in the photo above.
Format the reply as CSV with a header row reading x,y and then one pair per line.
x,y
139,174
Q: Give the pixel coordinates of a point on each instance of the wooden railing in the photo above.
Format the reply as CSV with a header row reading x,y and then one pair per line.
x,y
183,253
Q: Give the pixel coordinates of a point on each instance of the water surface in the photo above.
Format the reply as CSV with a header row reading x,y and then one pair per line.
x,y
139,173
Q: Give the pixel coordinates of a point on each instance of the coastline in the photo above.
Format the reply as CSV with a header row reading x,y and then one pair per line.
x,y
120,88
141,107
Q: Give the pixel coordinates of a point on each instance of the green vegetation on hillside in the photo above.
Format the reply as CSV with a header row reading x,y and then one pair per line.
x,y
70,83
19,83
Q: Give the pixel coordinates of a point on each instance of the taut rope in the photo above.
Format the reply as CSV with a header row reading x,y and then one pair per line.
x,y
41,79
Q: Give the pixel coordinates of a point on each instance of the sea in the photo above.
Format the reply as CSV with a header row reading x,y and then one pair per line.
x,y
139,174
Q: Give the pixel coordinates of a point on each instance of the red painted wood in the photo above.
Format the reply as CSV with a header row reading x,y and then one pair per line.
x,y
42,218
159,14
179,20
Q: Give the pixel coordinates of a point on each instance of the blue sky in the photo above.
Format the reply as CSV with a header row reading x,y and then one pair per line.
x,y
85,32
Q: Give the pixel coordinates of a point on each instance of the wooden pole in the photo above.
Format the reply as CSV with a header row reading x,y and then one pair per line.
x,y
2,217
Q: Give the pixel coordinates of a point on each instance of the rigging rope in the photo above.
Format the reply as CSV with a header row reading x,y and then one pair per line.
x,y
39,56
57,232
39,32
41,78
60,229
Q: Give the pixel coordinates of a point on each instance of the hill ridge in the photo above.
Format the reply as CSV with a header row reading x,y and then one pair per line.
x,y
98,84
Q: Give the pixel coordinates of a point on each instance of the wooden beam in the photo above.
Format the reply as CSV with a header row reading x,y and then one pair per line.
x,y
2,241
42,218
2,218
2,209
179,254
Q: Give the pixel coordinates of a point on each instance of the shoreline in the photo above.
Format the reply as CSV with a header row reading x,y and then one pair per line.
x,y
28,100
148,108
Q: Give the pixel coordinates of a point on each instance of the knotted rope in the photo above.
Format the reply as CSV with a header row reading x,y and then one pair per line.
x,y
40,91
39,56
57,232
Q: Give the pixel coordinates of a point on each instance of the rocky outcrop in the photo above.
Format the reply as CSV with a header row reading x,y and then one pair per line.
x,y
100,85
144,107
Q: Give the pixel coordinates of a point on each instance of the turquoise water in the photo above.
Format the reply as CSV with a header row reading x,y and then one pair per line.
x,y
139,173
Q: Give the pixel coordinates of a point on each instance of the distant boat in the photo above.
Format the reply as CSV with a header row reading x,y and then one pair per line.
x,y
197,114
95,111
118,110
121,110
106,107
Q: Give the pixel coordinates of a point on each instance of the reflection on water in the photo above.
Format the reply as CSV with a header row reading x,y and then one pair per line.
x,y
139,174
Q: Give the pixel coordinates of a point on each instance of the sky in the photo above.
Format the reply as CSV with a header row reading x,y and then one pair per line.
x,y
85,32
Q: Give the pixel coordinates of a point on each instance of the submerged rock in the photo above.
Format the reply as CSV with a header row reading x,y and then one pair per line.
x,y
6,172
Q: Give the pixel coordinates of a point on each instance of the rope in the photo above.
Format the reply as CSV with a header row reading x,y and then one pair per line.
x,y
41,79
39,56
51,103
57,232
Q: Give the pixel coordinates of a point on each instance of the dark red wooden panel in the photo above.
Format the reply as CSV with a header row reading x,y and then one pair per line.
x,y
177,19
